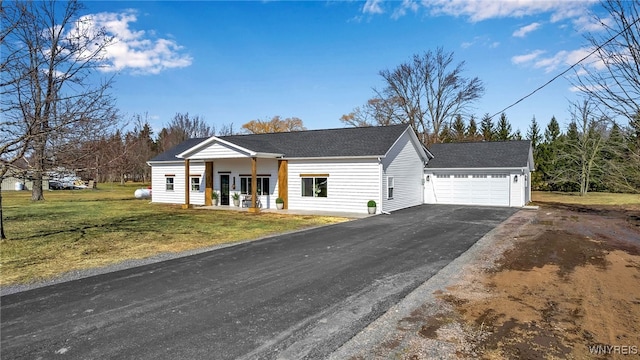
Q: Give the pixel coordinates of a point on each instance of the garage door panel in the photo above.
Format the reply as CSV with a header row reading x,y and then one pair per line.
x,y
472,189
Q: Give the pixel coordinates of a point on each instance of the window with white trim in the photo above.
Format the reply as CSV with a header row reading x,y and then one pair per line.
x,y
195,183
262,188
314,186
168,181
390,186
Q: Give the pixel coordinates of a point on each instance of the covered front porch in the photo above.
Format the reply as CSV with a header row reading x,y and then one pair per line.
x,y
233,175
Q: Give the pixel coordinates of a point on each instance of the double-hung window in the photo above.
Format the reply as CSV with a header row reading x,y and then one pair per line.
x,y
390,186
314,186
195,183
168,180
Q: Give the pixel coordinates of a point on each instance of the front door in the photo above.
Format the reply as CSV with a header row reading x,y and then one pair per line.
x,y
224,189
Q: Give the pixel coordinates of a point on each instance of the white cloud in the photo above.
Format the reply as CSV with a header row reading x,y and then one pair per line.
x,y
525,58
523,31
137,51
561,60
372,7
402,9
479,10
590,24
482,41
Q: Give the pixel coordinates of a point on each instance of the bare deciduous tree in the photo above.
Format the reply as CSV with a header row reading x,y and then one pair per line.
x,y
181,128
51,95
274,125
614,78
376,112
431,90
582,147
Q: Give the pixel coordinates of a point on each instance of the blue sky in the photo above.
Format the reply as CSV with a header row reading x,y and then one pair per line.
x,y
232,62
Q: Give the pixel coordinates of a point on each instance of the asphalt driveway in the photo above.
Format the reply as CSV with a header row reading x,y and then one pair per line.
x,y
293,296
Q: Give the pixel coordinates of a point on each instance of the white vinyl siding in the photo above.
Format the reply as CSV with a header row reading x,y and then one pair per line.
x,y
518,189
350,184
406,168
159,192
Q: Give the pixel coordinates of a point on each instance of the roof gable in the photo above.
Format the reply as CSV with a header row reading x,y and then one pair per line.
x,y
500,154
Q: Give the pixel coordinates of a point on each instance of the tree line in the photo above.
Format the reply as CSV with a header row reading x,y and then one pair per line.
x,y
593,153
122,155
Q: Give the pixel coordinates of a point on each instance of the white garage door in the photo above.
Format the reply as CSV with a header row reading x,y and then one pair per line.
x,y
472,189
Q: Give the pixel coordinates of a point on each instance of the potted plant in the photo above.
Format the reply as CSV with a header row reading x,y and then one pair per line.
x,y
215,198
371,206
236,199
279,203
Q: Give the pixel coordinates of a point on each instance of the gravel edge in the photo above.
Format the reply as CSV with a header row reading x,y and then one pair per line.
x,y
393,336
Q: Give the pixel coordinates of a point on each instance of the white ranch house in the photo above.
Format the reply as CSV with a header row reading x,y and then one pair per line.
x,y
322,170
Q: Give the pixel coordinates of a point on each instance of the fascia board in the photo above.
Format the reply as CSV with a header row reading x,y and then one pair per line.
x,y
268,155
477,169
211,140
336,157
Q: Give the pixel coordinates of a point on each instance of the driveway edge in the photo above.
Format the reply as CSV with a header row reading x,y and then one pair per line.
x,y
393,331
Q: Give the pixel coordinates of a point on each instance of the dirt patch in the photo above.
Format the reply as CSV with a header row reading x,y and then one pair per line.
x,y
564,286
568,288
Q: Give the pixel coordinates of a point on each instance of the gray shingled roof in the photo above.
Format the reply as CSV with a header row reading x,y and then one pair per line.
x,y
501,154
364,141
170,155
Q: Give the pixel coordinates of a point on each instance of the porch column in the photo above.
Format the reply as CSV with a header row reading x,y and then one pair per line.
x,y
283,182
254,185
208,180
187,185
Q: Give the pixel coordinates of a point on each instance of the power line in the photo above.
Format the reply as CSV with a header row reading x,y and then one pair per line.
x,y
568,69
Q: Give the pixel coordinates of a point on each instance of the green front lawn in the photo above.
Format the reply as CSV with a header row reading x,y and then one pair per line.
x,y
591,198
80,229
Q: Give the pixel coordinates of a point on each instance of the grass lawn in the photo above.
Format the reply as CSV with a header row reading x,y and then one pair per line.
x,y
80,229
591,198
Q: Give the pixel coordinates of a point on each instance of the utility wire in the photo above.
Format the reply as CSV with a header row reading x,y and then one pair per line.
x,y
568,69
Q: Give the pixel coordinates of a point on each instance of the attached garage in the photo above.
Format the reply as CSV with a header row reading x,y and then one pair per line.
x,y
483,173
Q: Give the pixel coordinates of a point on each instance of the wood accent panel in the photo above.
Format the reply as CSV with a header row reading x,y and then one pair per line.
x,y
208,180
283,181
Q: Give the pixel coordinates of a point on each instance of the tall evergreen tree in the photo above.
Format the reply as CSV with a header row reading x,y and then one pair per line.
x,y
458,129
472,130
546,155
446,135
503,131
517,135
533,133
552,131
487,129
